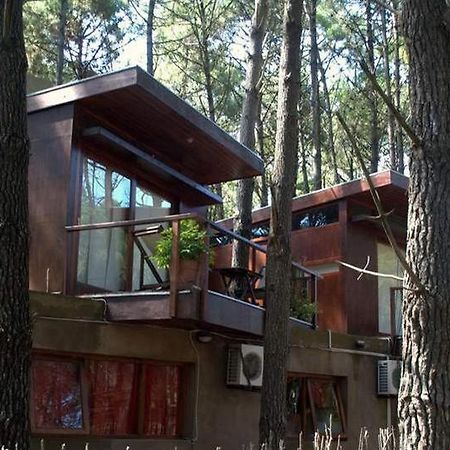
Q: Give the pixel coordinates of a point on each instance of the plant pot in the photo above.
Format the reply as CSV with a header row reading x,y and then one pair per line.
x,y
188,273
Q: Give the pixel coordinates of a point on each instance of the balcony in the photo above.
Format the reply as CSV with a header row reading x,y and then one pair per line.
x,y
218,296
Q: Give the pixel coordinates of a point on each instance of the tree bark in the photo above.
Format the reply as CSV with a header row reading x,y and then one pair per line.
x,y
331,146
61,41
315,94
424,399
398,89
272,425
249,117
373,106
15,328
150,19
264,195
387,80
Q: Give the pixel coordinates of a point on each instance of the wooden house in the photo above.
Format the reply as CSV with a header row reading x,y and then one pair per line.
x,y
127,356
339,224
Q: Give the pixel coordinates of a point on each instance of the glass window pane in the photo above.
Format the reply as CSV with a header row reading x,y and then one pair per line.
x,y
323,396
162,397
56,395
148,205
113,397
102,253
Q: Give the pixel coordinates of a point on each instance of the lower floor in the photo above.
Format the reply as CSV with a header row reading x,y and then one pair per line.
x,y
114,385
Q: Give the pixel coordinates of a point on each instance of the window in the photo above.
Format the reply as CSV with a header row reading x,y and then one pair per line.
x,y
105,256
106,397
315,404
318,217
57,396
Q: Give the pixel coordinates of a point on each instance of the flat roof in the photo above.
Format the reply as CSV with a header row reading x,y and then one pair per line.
x,y
159,121
392,187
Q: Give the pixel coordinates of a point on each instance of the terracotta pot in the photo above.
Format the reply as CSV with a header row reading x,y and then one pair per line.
x,y
188,271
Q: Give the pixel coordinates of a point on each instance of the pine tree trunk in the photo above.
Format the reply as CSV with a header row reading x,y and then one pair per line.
x,y
424,400
249,116
398,89
272,424
150,19
61,41
15,328
373,106
331,146
387,82
315,94
264,195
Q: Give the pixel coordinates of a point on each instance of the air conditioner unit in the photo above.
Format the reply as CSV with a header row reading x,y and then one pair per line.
x,y
245,365
389,373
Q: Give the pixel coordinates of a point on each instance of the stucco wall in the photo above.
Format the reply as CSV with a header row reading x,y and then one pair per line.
x,y
226,417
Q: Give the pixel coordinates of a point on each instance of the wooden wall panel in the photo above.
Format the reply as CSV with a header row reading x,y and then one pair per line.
x,y
50,134
362,294
317,245
331,314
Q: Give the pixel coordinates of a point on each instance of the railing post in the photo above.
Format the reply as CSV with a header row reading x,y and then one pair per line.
x,y
203,276
174,268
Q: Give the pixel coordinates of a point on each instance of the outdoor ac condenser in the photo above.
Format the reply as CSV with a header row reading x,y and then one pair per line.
x,y
245,365
389,372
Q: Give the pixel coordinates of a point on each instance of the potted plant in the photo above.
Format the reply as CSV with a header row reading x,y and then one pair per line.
x,y
193,244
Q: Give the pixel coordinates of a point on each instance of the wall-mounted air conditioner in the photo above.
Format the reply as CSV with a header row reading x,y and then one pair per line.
x,y
245,365
389,373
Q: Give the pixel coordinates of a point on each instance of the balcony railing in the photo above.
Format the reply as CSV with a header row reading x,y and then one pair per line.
x,y
207,278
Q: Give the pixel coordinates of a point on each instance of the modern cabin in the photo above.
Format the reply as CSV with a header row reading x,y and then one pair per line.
x,y
127,353
339,224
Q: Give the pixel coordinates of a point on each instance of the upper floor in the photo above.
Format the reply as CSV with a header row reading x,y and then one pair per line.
x,y
115,160
339,224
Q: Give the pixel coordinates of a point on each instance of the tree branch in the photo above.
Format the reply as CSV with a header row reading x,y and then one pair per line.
x,y
417,142
370,272
377,201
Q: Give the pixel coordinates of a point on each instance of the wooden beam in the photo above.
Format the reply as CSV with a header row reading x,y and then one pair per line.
x,y
201,194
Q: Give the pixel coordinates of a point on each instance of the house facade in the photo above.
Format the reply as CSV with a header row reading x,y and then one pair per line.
x,y
126,353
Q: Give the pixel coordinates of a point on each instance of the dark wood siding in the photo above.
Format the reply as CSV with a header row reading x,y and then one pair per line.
x,y
50,133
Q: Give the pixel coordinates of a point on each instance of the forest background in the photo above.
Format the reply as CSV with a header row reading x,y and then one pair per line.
x,y
199,49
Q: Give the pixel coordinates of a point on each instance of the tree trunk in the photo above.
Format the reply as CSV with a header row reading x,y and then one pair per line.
x,y
424,399
150,19
61,41
331,146
264,196
272,425
315,94
398,89
15,327
373,106
387,82
249,116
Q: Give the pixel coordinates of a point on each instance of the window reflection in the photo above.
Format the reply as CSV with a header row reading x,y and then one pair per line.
x,y
102,253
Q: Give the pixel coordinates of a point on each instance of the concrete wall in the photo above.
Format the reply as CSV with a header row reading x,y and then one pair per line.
x,y
226,417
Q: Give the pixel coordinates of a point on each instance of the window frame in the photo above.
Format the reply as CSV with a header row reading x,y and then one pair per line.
x,y
82,360
84,398
337,383
114,163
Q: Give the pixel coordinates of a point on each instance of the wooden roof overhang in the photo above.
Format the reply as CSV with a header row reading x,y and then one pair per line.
x,y
155,120
391,186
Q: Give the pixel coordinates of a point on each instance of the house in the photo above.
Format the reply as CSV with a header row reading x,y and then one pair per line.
x,y
125,356
339,224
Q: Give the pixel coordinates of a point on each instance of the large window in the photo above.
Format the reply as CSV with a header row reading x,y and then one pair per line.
x,y
105,255
314,405
106,397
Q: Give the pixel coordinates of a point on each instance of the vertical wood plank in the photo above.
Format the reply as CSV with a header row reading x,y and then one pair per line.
x,y
174,267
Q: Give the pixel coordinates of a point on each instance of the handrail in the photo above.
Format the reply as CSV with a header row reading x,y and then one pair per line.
x,y
257,246
131,223
176,217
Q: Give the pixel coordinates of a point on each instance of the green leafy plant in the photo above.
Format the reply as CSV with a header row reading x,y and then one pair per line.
x,y
193,243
